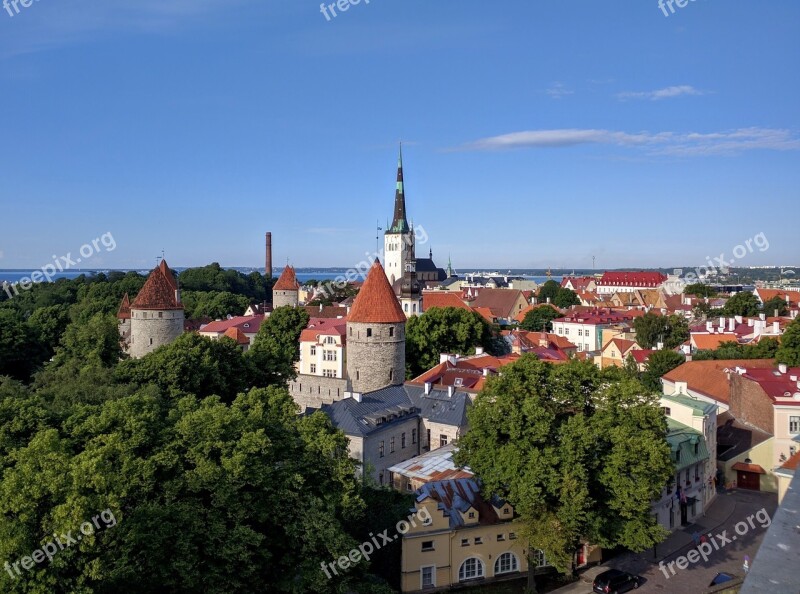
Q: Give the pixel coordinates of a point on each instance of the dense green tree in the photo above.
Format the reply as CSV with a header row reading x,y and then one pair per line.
x,y
540,319
49,323
742,304
579,456
652,328
775,304
20,351
213,278
275,349
789,351
213,304
192,364
443,330
547,292
566,298
659,364
699,290
94,341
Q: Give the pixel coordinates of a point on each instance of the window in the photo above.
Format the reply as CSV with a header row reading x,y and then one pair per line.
x,y
478,540
666,410
794,425
403,440
381,449
697,472
313,368
458,382
329,373
427,545
314,351
391,332
538,558
442,440
391,375
330,340
329,355
687,476
428,575
391,445
512,536
413,436
405,307
506,511
566,330
151,341
161,314
678,459
470,569
501,537
580,332
464,542
369,332
429,438
507,562
471,515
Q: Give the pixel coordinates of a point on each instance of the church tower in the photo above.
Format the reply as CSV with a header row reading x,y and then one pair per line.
x,y
398,242
376,336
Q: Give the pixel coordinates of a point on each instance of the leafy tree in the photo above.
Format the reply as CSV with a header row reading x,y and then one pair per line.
x,y
275,349
789,351
216,305
579,456
213,278
652,328
659,364
20,352
548,291
191,364
49,323
443,330
566,298
742,304
775,304
94,341
540,319
699,290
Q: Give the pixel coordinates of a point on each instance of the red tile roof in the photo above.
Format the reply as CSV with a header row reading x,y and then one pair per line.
x,y
712,342
641,355
326,311
124,312
469,371
754,468
247,324
711,378
502,302
486,313
441,299
579,283
632,279
767,294
594,316
159,291
237,335
376,302
287,280
792,463
778,386
324,327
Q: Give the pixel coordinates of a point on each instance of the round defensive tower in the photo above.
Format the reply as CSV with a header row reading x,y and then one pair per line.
x,y
286,290
376,336
157,316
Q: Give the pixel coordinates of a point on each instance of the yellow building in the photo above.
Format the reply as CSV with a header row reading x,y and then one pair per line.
x,y
468,539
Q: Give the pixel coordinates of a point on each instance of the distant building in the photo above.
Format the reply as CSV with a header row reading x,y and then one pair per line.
x,y
235,327
156,315
435,465
627,282
286,290
584,327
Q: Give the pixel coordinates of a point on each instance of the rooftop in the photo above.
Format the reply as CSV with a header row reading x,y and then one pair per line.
x,y
287,280
436,465
700,408
376,302
160,291
455,497
711,378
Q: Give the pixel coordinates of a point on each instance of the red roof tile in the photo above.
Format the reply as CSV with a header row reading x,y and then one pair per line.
x,y
159,291
441,299
124,312
754,468
376,302
247,324
792,463
711,378
237,335
632,279
287,280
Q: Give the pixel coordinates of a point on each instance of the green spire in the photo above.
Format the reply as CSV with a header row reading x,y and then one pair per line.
x,y
399,222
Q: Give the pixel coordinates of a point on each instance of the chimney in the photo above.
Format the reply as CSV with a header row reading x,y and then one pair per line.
x,y
660,346
738,319
478,350
320,307
762,316
793,378
710,327
731,324
428,386
750,322
776,328
782,367
485,372
451,390
722,324
268,262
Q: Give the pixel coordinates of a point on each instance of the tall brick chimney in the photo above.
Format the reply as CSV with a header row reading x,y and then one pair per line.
x,y
268,264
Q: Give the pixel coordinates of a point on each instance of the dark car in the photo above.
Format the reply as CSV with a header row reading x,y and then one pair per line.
x,y
614,581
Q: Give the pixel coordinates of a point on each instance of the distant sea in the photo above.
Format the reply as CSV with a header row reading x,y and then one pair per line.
x,y
13,275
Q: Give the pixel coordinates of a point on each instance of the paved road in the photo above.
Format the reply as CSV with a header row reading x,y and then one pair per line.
x,y
725,514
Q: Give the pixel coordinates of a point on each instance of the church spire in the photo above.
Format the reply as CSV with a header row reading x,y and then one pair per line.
x,y
399,222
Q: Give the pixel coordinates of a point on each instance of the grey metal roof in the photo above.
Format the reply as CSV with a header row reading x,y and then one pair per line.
x,y
438,407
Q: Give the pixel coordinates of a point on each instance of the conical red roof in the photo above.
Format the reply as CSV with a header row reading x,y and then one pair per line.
x,y
376,302
159,290
287,280
124,312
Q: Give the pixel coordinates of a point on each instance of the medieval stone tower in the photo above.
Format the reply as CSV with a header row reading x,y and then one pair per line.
x,y
156,313
287,290
376,336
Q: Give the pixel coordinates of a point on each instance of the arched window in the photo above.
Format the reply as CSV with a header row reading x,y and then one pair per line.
x,y
506,563
470,569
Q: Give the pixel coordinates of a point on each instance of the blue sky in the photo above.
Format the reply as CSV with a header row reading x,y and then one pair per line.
x,y
536,133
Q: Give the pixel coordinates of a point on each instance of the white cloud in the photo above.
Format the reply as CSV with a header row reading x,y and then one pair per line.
x,y
665,143
657,95
557,90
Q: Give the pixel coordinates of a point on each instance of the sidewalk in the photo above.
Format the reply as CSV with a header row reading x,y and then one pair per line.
x,y
716,516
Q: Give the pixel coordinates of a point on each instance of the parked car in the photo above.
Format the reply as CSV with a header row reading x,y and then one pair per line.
x,y
615,581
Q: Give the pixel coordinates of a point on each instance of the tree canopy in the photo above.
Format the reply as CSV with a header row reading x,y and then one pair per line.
x,y
540,319
443,330
742,304
579,455
659,364
789,351
652,328
699,290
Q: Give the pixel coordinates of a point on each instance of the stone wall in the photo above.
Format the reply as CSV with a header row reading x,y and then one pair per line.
x,y
152,329
375,465
312,391
751,405
282,298
376,355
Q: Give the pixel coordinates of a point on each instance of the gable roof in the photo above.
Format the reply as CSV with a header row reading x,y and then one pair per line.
x,y
376,411
376,302
237,335
247,324
455,497
435,465
712,342
441,299
632,279
287,280
712,378
792,298
326,311
501,302
160,291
